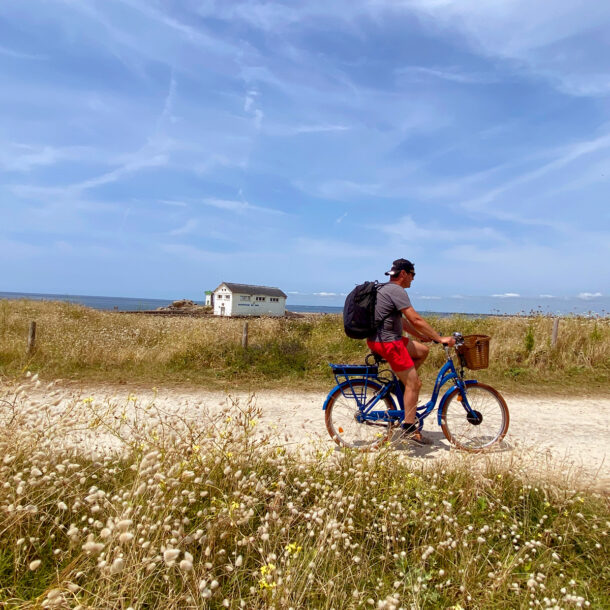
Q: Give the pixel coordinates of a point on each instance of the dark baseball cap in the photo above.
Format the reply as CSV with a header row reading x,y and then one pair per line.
x,y
401,264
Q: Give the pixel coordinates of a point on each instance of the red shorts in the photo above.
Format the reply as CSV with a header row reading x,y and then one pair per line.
x,y
395,352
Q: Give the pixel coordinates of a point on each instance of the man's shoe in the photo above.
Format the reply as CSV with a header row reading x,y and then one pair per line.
x,y
416,437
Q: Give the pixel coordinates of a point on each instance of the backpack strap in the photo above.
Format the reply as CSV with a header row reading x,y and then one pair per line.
x,y
379,324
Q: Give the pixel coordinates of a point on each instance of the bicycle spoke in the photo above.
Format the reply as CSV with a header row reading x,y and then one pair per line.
x,y
344,416
486,423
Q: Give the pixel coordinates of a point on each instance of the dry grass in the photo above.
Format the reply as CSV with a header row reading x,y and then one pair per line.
x,y
80,343
211,513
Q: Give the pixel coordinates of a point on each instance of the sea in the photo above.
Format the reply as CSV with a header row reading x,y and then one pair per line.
x,y
589,305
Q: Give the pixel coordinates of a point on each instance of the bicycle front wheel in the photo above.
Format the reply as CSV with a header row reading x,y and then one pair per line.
x,y
344,410
479,430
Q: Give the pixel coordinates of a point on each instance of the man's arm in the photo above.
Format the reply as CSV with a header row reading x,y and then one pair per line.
x,y
422,329
409,328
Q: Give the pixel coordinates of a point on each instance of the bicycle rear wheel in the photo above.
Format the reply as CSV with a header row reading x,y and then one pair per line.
x,y
482,429
342,413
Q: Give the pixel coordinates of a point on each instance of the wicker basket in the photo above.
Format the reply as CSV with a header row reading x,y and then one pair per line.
x,y
475,351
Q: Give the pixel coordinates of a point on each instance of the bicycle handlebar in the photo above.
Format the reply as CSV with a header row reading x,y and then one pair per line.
x,y
459,338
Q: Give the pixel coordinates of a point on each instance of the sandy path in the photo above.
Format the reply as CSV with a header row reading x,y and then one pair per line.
x,y
556,436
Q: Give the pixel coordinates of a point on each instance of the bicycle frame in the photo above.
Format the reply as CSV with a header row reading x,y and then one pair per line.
x,y
393,388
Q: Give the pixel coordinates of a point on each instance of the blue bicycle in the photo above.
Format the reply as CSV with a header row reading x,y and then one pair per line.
x,y
361,410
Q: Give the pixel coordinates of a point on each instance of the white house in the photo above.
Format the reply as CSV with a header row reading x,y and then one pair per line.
x,y
244,300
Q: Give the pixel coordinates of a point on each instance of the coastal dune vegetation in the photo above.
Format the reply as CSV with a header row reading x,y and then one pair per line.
x,y
80,343
212,513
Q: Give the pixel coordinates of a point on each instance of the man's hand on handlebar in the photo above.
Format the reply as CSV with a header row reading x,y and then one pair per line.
x,y
448,341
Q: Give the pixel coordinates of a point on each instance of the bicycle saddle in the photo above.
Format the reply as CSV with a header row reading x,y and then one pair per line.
x,y
371,358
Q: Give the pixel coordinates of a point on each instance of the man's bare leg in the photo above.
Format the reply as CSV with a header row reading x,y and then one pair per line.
x,y
412,384
418,352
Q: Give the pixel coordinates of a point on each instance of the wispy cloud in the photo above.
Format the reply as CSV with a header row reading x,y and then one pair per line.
x,y
522,31
238,206
564,158
507,295
25,157
174,203
430,232
130,167
19,54
279,129
420,73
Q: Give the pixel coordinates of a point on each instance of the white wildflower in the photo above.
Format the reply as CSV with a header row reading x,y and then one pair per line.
x,y
170,556
92,548
34,565
125,537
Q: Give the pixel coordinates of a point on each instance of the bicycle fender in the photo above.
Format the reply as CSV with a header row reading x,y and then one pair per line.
x,y
441,406
339,385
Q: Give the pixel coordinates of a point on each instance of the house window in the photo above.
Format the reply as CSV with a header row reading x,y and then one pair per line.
x,y
274,299
244,297
227,297
260,298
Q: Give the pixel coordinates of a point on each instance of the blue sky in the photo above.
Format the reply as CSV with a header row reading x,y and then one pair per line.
x,y
155,148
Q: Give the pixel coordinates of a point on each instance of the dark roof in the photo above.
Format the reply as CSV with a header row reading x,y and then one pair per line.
x,y
248,289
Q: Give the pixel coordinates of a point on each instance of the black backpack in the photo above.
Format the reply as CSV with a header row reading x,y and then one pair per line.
x,y
359,311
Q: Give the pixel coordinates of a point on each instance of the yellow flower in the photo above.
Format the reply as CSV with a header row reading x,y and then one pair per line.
x,y
293,548
263,584
88,399
267,569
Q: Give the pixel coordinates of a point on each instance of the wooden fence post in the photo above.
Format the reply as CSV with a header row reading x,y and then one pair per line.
x,y
32,338
555,331
244,336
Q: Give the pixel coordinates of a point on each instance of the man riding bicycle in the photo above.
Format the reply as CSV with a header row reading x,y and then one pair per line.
x,y
394,315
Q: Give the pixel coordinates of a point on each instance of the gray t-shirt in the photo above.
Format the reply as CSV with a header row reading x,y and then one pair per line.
x,y
391,298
